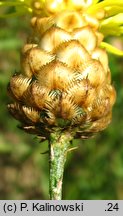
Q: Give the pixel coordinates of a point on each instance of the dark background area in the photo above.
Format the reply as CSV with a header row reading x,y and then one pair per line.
x,y
93,171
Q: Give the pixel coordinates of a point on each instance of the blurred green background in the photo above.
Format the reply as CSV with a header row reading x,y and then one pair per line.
x,y
93,171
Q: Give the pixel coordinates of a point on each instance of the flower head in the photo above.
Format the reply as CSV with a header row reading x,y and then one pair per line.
x,y
65,81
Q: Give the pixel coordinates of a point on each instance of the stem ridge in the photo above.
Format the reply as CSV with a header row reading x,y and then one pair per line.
x,y
59,145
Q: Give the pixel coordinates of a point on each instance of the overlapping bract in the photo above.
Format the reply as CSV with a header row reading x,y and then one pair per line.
x,y
65,80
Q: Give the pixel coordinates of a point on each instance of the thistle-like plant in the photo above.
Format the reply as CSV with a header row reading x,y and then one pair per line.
x,y
64,90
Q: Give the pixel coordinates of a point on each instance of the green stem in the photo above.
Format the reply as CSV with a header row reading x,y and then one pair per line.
x,y
59,145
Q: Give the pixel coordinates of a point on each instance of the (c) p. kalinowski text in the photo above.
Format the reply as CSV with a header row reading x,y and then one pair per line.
x,y
59,207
